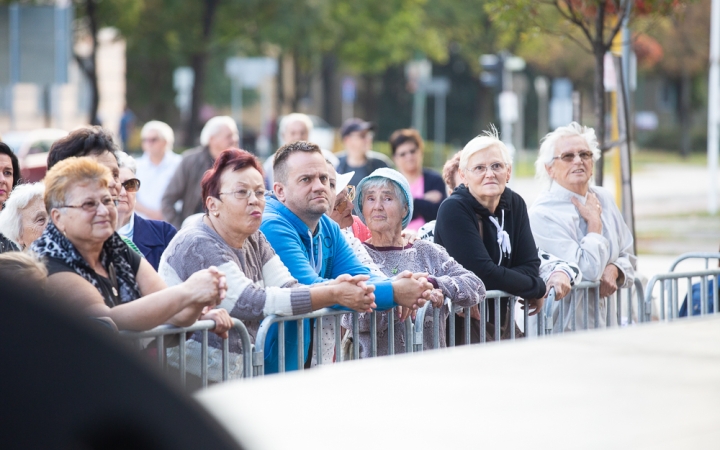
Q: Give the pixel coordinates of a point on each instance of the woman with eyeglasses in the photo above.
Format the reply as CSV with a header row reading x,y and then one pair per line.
x,y
579,222
97,274
150,236
427,186
484,225
259,284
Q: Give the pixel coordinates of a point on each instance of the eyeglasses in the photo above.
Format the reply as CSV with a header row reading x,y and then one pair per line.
x,y
497,167
570,157
91,206
131,185
342,206
409,152
242,194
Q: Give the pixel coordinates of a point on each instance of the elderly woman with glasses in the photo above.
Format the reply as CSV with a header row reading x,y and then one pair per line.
x,y
579,222
150,236
24,217
384,202
97,273
259,284
484,225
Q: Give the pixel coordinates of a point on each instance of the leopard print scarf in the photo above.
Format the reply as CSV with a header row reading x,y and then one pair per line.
x,y
53,244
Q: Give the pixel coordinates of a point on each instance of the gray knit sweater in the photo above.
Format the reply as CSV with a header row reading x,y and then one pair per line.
x,y
456,283
259,284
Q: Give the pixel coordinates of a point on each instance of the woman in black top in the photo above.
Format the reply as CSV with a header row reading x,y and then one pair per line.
x,y
9,177
485,227
91,267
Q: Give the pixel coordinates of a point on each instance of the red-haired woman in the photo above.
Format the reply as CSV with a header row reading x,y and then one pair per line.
x,y
228,237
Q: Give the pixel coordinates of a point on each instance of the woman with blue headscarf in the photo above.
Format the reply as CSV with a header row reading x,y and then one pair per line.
x,y
384,203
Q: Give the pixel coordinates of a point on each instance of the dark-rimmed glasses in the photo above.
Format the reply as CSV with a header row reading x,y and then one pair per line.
x,y
131,185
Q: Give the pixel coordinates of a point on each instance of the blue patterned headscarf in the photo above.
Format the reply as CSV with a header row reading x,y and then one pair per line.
x,y
391,175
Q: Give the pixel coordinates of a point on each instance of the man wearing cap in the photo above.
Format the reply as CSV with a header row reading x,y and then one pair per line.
x,y
310,244
357,156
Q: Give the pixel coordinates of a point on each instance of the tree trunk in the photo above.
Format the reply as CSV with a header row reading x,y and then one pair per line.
x,y
199,63
91,68
599,88
329,113
684,112
370,100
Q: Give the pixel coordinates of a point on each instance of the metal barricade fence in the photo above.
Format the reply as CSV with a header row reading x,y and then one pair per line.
x,y
545,320
669,292
159,334
336,315
707,256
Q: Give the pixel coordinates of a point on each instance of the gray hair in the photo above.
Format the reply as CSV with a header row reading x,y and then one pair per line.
x,y
212,127
294,117
484,141
11,217
163,130
126,161
378,183
546,153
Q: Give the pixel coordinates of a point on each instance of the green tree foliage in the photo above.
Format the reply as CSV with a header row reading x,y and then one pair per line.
x,y
591,24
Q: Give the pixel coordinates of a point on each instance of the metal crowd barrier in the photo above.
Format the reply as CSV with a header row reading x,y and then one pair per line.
x,y
159,336
707,256
669,292
259,353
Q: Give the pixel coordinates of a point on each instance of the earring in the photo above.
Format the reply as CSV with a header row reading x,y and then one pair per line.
x,y
216,214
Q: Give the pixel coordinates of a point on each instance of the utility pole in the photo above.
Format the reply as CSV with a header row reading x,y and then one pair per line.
x,y
714,105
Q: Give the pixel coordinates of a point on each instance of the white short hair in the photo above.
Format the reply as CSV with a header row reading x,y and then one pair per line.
x,y
294,117
212,127
163,130
549,142
127,161
20,198
485,140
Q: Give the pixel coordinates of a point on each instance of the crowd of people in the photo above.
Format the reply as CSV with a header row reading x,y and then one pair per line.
x,y
214,234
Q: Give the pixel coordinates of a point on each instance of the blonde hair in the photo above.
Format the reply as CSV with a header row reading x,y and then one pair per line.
x,y
70,172
487,139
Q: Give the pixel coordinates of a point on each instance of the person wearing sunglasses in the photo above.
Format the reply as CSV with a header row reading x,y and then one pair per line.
x,y
151,237
579,222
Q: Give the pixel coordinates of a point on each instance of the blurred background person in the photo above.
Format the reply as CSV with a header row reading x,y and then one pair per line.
x,y
357,155
218,134
24,217
9,172
293,127
150,236
484,225
426,185
579,222
97,273
155,168
385,205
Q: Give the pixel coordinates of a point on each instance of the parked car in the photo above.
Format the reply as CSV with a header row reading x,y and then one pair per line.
x,y
31,148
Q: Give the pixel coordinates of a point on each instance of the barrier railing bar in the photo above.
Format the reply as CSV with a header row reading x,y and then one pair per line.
x,y
204,358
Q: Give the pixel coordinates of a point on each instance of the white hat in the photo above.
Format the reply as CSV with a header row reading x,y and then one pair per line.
x,y
342,181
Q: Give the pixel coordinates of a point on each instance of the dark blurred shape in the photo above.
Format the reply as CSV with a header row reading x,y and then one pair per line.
x,y
67,384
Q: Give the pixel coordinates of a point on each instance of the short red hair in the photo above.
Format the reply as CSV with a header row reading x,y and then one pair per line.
x,y
231,158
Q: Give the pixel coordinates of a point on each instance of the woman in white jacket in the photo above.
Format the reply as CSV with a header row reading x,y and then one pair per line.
x,y
579,222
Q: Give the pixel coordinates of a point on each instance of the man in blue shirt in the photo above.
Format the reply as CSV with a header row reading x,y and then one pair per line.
x,y
310,243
